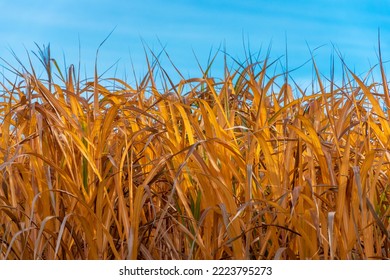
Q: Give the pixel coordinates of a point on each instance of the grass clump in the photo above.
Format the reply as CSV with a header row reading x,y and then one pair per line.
x,y
236,168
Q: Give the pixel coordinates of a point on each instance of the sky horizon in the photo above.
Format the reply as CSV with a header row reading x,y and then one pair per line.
x,y
191,30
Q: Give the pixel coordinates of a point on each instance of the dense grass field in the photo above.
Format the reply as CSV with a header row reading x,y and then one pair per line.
x,y
244,166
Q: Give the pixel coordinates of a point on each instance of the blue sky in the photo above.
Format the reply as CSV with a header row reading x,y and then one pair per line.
x,y
188,27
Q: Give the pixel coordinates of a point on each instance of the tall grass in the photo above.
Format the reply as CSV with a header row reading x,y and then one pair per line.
x,y
232,168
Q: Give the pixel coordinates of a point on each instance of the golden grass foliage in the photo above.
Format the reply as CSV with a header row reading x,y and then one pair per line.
x,y
236,168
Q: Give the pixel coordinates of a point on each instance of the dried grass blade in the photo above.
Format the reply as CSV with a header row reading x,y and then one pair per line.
x,y
61,233
331,216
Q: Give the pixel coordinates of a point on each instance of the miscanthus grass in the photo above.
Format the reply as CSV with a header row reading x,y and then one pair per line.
x,y
202,168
